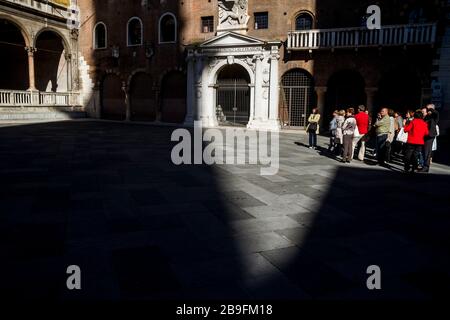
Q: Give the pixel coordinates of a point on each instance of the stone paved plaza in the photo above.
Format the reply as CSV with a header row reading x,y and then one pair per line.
x,y
106,197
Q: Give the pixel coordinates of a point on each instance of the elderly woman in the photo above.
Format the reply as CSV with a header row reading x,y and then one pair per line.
x,y
339,134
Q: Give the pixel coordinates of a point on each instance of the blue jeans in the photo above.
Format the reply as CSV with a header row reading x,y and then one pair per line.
x,y
312,139
381,148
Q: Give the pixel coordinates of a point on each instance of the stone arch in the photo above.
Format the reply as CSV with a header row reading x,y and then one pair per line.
x,y
23,30
219,66
13,56
297,97
65,42
297,14
175,21
233,95
52,66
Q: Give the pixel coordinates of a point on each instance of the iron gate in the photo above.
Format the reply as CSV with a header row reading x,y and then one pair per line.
x,y
233,102
297,96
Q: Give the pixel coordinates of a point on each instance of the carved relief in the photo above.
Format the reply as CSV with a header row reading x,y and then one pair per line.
x,y
266,75
233,13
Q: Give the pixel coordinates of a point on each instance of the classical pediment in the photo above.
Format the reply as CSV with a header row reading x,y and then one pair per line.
x,y
231,39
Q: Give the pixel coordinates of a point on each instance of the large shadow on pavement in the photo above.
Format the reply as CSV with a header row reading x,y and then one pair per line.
x,y
366,217
107,198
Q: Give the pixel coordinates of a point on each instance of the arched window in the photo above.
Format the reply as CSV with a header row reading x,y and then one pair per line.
x,y
134,32
304,21
168,28
100,36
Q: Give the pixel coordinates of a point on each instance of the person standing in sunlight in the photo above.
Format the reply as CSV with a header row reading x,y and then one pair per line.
x,y
313,128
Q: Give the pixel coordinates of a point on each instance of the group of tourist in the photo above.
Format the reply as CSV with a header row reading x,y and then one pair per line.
x,y
413,136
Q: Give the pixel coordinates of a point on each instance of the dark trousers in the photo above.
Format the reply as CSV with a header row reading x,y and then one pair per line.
x,y
412,153
348,147
388,151
312,139
332,145
381,148
427,153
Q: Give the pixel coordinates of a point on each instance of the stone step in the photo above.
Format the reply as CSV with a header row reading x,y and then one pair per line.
x,y
38,109
40,113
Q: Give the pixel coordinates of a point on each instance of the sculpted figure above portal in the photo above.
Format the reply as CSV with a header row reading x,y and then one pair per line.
x,y
233,14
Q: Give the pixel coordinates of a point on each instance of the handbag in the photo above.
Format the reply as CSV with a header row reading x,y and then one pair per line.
x,y
356,132
402,136
312,126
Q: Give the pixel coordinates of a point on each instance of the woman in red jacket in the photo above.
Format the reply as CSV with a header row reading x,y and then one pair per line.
x,y
417,130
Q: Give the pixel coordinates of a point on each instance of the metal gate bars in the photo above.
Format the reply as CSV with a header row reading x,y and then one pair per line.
x,y
233,102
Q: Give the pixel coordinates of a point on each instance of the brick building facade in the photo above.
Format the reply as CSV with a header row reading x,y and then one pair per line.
x,y
273,61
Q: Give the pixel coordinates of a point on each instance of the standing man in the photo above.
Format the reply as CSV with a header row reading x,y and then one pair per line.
x,y
382,127
362,121
432,120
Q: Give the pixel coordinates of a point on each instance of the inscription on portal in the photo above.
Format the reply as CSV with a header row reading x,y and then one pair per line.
x,y
233,15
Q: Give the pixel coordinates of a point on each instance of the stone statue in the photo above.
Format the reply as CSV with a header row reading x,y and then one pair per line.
x,y
233,14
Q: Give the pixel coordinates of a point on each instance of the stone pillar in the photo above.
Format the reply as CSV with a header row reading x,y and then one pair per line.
x,y
200,80
31,74
321,93
190,103
259,112
274,93
370,93
68,57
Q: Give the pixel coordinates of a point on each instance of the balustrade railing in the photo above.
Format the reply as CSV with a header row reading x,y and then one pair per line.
x,y
36,98
412,34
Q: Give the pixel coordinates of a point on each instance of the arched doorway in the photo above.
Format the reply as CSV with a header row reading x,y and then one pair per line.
x,y
298,98
50,63
346,89
112,98
142,102
399,89
173,97
233,96
13,57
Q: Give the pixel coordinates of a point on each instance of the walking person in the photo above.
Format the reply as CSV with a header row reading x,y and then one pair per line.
x,y
432,120
313,128
382,127
348,132
333,127
362,121
417,130
340,119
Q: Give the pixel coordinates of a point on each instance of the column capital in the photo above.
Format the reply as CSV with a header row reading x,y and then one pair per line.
x,y
275,56
30,50
68,56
